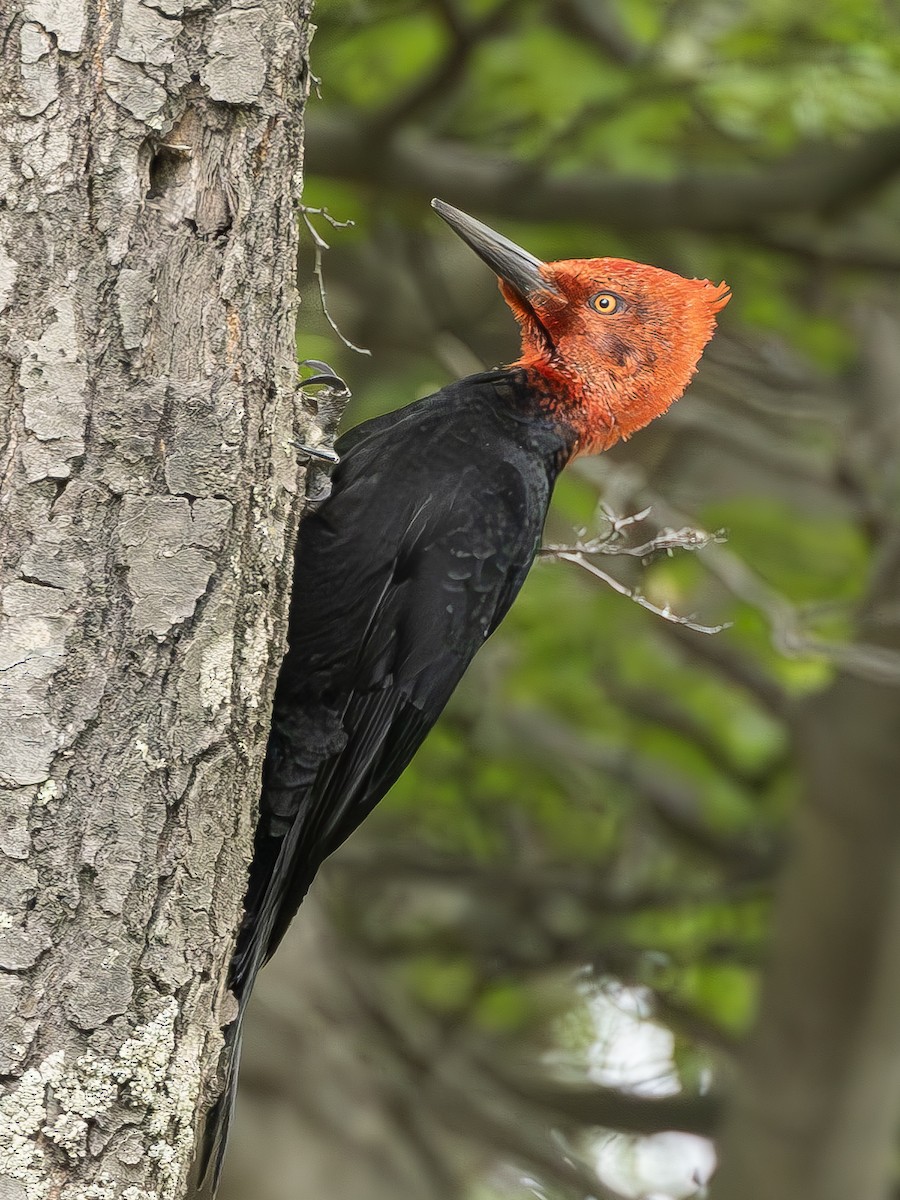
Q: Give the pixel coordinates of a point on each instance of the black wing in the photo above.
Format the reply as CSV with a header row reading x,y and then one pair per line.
x,y
401,575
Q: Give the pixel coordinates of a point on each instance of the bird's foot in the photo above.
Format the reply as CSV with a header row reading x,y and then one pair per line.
x,y
324,376
329,406
322,453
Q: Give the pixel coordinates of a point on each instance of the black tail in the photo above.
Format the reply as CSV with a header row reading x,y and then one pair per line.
x,y
273,897
210,1157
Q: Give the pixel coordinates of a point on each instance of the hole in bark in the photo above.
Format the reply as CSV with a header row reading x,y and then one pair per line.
x,y
59,487
169,167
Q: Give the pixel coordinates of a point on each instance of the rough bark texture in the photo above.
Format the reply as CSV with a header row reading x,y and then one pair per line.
x,y
150,166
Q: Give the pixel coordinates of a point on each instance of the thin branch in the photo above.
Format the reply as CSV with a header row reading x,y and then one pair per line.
x,y
614,1109
879,664
600,26
515,883
458,1087
319,244
670,798
752,441
581,560
666,541
843,251
657,709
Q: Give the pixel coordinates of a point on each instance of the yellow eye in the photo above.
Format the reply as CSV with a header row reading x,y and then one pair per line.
x,y
604,302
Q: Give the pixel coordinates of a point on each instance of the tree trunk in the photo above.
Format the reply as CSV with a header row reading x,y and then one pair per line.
x,y
150,156
815,1115
817,1105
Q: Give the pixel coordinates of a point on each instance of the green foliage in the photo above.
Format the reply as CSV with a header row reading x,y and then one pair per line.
x,y
625,795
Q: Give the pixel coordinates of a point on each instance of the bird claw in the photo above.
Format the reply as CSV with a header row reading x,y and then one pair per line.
x,y
319,452
325,376
329,405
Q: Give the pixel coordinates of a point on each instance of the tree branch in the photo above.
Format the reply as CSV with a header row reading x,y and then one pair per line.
x,y
671,800
599,24
381,860
818,178
614,1109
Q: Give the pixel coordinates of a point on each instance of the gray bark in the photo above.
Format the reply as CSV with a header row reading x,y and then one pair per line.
x,y
150,163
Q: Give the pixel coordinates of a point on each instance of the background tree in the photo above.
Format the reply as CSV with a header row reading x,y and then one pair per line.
x,y
149,172
597,826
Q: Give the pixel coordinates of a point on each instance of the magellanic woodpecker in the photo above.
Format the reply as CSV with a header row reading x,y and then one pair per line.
x,y
433,520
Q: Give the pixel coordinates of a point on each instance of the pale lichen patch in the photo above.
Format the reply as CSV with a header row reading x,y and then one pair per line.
x,y
89,1089
48,790
23,1114
255,651
103,1188
9,271
69,1133
166,1086
57,1102
154,763
216,672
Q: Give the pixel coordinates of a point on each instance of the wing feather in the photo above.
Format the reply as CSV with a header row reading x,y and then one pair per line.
x,y
393,598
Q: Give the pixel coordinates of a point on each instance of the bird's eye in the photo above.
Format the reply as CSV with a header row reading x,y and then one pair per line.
x,y
604,302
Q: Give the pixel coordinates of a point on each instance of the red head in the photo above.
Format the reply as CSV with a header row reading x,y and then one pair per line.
x,y
615,342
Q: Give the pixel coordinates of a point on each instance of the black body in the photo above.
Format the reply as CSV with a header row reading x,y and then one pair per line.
x,y
434,518
433,521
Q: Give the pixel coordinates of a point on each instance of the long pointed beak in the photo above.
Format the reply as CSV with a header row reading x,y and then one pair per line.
x,y
514,265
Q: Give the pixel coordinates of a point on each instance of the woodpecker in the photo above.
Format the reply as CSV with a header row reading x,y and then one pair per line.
x,y
434,518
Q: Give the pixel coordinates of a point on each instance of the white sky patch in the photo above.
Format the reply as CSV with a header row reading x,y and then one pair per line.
x,y
633,1053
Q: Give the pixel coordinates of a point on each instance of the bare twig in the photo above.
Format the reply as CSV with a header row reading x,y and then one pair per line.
x,y
665,612
448,72
516,884
599,25
611,1108
666,541
319,244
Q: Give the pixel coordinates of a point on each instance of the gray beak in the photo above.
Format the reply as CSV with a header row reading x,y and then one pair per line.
x,y
514,265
